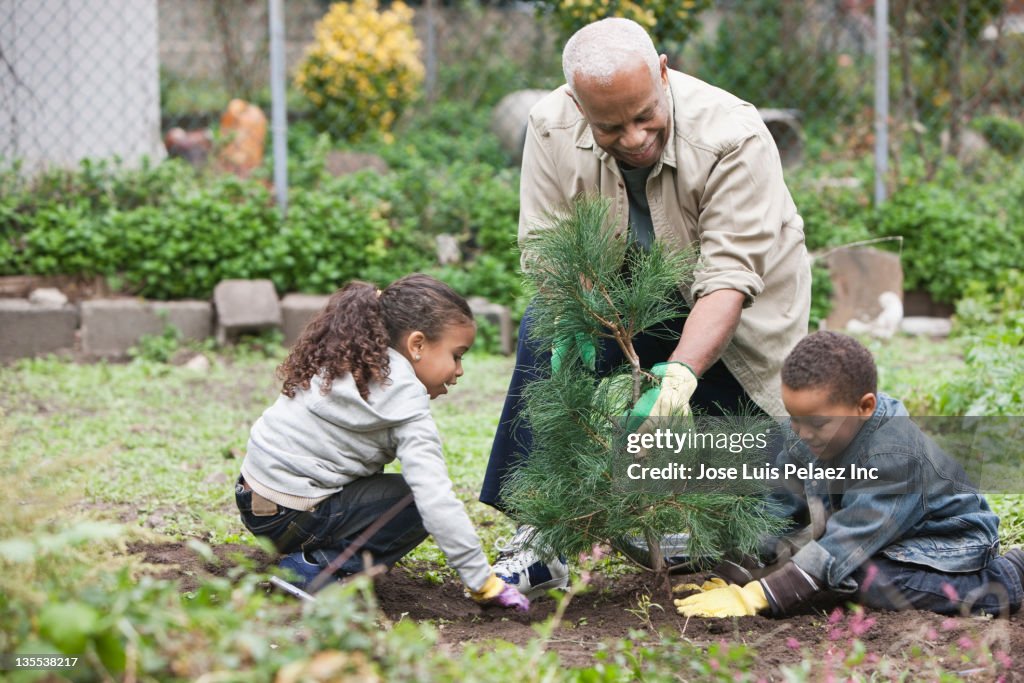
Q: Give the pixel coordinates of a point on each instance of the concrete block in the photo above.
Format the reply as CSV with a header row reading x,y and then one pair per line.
x,y
860,275
926,326
110,327
497,315
297,310
245,306
28,329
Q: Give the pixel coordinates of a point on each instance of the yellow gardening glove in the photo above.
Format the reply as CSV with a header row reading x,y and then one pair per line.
x,y
491,589
496,592
709,585
729,601
670,397
677,386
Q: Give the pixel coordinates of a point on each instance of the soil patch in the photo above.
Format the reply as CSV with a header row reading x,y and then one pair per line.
x,y
614,608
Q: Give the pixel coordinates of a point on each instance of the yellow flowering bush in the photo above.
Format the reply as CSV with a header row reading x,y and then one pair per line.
x,y
668,21
363,68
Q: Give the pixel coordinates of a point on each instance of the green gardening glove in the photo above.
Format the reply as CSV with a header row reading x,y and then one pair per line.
x,y
671,397
561,349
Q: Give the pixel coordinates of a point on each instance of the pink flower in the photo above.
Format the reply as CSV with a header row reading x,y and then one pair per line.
x,y
714,664
965,642
860,625
835,633
950,592
836,616
869,577
932,634
1004,659
792,643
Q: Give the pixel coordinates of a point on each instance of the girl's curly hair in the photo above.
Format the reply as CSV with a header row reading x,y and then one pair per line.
x,y
353,332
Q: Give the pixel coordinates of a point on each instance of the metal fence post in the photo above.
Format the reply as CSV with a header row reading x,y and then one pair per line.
x,y
279,112
881,98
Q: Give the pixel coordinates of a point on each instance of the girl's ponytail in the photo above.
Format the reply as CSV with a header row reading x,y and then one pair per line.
x,y
353,333
349,335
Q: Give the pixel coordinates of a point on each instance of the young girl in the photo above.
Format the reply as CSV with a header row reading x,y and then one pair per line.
x,y
355,397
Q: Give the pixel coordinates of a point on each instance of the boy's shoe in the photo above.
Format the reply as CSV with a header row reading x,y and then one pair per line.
x,y
1016,558
306,568
675,550
518,565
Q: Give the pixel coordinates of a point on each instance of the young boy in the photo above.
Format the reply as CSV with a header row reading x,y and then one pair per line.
x,y
910,533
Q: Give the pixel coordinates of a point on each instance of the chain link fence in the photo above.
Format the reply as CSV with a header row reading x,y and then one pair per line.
x,y
103,78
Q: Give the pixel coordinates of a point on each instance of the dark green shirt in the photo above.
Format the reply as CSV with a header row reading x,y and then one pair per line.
x,y
641,226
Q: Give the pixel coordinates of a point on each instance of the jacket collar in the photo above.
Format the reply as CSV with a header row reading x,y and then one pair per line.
x,y
887,407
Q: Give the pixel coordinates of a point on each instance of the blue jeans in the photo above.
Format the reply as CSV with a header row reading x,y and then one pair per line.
x,y
996,589
718,393
336,522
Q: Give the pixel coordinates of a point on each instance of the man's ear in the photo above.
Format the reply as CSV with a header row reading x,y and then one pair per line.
x,y
663,67
866,405
574,100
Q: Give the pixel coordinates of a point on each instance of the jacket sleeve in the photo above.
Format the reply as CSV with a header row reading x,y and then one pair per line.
x,y
418,448
741,216
873,515
540,192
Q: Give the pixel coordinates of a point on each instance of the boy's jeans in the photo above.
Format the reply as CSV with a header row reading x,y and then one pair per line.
x,y
892,585
337,521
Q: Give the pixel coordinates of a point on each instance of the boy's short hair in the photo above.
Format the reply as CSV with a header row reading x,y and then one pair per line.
x,y
832,360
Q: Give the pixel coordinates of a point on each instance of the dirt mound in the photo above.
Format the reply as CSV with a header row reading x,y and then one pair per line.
x,y
615,608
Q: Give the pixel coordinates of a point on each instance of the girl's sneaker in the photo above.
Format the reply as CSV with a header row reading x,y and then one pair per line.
x,y
519,565
306,566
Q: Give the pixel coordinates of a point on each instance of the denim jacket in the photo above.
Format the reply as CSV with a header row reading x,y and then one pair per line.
x,y
919,509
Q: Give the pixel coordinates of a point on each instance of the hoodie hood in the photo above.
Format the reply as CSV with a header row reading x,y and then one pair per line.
x,y
399,399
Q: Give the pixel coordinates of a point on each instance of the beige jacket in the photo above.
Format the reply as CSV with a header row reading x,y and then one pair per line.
x,y
718,184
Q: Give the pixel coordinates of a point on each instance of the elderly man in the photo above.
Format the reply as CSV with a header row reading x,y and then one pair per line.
x,y
683,163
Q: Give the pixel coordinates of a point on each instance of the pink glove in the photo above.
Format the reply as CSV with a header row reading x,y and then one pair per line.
x,y
511,598
496,592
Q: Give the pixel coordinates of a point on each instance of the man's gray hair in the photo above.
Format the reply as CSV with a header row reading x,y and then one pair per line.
x,y
600,50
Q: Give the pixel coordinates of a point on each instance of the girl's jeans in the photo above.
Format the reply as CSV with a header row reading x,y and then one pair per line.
x,y
335,523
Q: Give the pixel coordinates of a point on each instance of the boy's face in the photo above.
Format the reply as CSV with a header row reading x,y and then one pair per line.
x,y
825,426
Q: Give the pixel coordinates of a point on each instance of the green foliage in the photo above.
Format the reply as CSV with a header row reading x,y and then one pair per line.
x,y
993,315
991,321
940,24
573,487
206,229
756,56
158,348
667,22
1006,136
821,294
445,132
948,239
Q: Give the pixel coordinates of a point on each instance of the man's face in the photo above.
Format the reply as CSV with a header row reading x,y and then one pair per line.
x,y
825,426
629,115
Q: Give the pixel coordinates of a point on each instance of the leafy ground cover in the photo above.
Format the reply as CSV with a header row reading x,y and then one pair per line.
x,y
121,543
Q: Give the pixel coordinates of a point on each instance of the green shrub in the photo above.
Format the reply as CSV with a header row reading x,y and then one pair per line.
x,y
363,225
666,21
949,239
754,56
1006,136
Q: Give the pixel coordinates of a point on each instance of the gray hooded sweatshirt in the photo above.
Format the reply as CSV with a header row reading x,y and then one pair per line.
x,y
305,449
